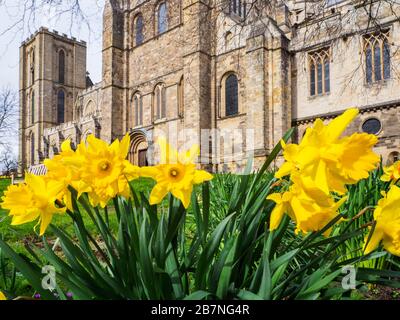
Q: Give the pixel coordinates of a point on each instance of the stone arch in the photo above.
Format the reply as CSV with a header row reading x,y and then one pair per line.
x,y
138,149
89,109
393,157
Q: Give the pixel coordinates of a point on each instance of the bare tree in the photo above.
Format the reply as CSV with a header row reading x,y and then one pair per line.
x,y
8,115
8,162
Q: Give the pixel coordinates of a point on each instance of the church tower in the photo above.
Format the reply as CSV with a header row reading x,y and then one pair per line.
x,y
52,73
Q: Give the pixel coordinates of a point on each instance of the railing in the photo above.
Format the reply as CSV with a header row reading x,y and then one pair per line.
x,y
38,170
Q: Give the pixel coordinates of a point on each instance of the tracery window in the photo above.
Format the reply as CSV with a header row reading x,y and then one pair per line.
x,y
160,102
377,57
319,70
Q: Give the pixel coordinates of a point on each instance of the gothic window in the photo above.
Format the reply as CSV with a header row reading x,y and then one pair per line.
x,y
377,57
61,66
372,126
162,18
139,29
319,64
181,98
160,102
33,107
238,7
138,109
231,95
32,142
61,107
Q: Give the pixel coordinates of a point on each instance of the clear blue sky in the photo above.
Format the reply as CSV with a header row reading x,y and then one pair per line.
x,y
10,40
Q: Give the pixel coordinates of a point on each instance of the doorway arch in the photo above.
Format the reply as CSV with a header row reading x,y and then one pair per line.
x,y
138,149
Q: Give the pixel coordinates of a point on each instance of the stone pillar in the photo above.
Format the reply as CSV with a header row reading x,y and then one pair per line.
x,y
256,95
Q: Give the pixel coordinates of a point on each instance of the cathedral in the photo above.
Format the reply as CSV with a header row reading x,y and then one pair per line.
x,y
230,75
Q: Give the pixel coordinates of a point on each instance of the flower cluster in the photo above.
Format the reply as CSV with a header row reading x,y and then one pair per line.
x,y
98,169
322,164
102,172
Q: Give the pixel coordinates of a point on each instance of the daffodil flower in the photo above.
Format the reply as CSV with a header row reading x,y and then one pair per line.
x,y
33,200
65,167
310,213
387,227
104,170
2,296
328,160
177,174
391,173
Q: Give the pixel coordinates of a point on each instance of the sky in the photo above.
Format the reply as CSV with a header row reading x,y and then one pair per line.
x,y
14,30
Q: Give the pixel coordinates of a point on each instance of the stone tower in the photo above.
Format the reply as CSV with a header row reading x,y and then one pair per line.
x,y
52,73
113,71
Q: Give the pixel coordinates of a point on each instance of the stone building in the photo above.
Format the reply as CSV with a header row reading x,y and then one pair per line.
x,y
231,75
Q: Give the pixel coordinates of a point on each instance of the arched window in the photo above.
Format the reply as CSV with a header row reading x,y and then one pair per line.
x,y
162,18
33,66
32,138
61,107
138,109
159,102
139,29
181,98
231,95
33,107
377,57
61,66
319,62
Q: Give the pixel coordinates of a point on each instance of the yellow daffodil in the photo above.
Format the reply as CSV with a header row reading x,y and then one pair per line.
x,y
65,168
176,174
2,296
33,200
329,161
391,173
387,228
309,213
104,170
